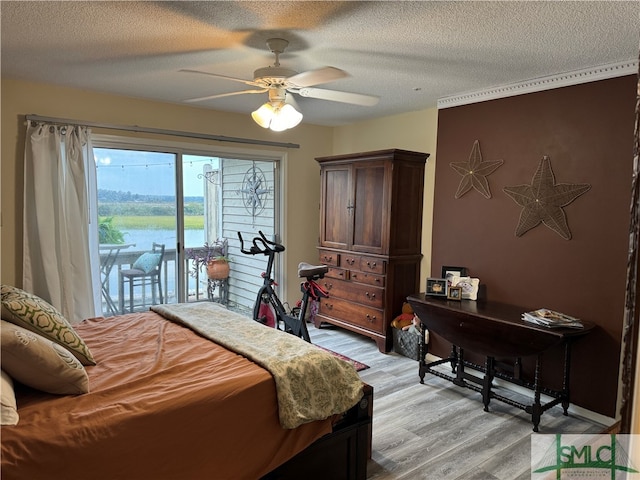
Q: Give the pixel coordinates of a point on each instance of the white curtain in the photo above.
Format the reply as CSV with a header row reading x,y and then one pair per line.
x,y
56,263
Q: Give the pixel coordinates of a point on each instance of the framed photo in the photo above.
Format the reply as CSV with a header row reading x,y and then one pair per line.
x,y
450,272
437,287
454,293
470,287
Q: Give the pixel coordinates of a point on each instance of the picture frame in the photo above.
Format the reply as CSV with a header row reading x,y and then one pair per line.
x,y
470,287
450,272
437,287
454,293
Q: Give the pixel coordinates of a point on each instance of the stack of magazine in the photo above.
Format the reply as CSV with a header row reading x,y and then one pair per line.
x,y
551,319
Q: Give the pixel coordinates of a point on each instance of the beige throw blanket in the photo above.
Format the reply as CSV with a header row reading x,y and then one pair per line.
x,y
311,384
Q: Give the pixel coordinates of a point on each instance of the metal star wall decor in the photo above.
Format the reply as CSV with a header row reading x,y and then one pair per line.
x,y
474,172
542,201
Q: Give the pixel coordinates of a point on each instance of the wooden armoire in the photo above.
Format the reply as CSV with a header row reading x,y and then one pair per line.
x,y
370,236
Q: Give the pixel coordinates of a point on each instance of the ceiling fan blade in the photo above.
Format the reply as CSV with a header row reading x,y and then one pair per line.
x,y
335,96
316,77
220,95
246,82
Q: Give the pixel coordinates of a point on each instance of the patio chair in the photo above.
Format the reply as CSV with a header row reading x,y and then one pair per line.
x,y
146,270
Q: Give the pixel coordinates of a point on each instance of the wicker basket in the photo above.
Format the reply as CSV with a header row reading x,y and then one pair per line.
x,y
406,343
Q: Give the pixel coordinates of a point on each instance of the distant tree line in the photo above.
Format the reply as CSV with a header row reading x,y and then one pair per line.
x,y
115,203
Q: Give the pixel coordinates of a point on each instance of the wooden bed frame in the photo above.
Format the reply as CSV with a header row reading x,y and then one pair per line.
x,y
340,455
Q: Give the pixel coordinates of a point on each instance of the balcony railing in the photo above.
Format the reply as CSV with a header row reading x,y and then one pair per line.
x,y
197,287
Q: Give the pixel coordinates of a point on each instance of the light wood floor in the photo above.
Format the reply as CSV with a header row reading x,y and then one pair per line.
x,y
438,431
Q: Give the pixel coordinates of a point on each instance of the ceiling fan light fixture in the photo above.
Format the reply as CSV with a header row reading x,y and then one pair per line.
x,y
263,115
277,116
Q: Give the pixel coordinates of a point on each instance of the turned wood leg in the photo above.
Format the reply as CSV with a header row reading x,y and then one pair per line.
x,y
459,380
488,380
536,408
423,349
454,358
565,377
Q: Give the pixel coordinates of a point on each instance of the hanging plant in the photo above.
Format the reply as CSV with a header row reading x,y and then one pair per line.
x,y
212,255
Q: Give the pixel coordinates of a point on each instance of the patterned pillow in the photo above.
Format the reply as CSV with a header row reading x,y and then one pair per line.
x,y
33,313
9,409
147,262
40,363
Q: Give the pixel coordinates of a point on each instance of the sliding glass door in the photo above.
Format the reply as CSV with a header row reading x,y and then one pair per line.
x,y
177,199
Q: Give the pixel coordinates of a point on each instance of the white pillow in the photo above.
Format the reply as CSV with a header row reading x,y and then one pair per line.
x,y
40,363
8,407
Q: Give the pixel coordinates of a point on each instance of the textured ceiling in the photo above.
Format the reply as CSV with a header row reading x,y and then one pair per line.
x,y
407,53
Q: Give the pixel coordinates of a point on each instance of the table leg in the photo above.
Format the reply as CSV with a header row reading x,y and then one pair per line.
x,y
459,370
536,408
423,349
565,377
487,382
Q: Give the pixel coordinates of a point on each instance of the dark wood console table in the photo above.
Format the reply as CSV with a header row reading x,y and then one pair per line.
x,y
493,330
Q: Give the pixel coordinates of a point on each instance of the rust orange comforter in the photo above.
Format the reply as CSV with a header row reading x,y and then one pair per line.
x,y
164,403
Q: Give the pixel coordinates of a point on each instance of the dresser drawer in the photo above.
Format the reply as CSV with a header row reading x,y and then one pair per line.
x,y
328,257
367,317
373,265
354,292
349,261
339,273
368,278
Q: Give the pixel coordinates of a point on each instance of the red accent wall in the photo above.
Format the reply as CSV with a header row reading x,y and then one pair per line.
x,y
587,131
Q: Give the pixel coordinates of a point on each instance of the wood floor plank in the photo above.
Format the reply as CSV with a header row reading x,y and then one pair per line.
x,y
436,430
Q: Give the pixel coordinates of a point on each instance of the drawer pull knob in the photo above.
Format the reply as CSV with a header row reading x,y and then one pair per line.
x,y
370,296
351,261
372,265
371,319
328,286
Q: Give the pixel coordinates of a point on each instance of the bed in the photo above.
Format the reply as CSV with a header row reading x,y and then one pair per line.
x,y
173,394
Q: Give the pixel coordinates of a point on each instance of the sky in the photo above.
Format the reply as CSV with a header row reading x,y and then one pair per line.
x,y
149,173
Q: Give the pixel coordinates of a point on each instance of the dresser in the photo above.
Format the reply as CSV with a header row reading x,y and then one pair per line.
x,y
370,237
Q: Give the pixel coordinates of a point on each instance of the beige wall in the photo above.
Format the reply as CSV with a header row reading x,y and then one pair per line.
x,y
415,131
302,173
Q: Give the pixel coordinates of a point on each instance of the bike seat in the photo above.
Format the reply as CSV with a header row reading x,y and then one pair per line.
x,y
306,270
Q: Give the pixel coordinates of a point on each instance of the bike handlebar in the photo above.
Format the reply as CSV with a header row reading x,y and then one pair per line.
x,y
266,248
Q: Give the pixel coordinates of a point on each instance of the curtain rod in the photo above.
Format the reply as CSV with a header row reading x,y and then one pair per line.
x,y
159,131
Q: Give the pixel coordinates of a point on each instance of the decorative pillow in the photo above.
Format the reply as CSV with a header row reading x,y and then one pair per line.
x,y
9,409
33,313
40,363
147,262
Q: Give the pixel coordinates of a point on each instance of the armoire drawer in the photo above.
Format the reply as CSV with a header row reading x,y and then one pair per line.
x,y
328,257
355,292
367,317
350,261
368,278
373,265
335,272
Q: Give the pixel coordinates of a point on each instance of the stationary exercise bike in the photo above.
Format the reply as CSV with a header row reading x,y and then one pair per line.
x,y
268,309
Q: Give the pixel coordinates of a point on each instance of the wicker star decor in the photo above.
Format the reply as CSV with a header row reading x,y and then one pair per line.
x,y
542,201
474,172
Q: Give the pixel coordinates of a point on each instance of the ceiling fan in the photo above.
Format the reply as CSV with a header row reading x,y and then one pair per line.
x,y
280,112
